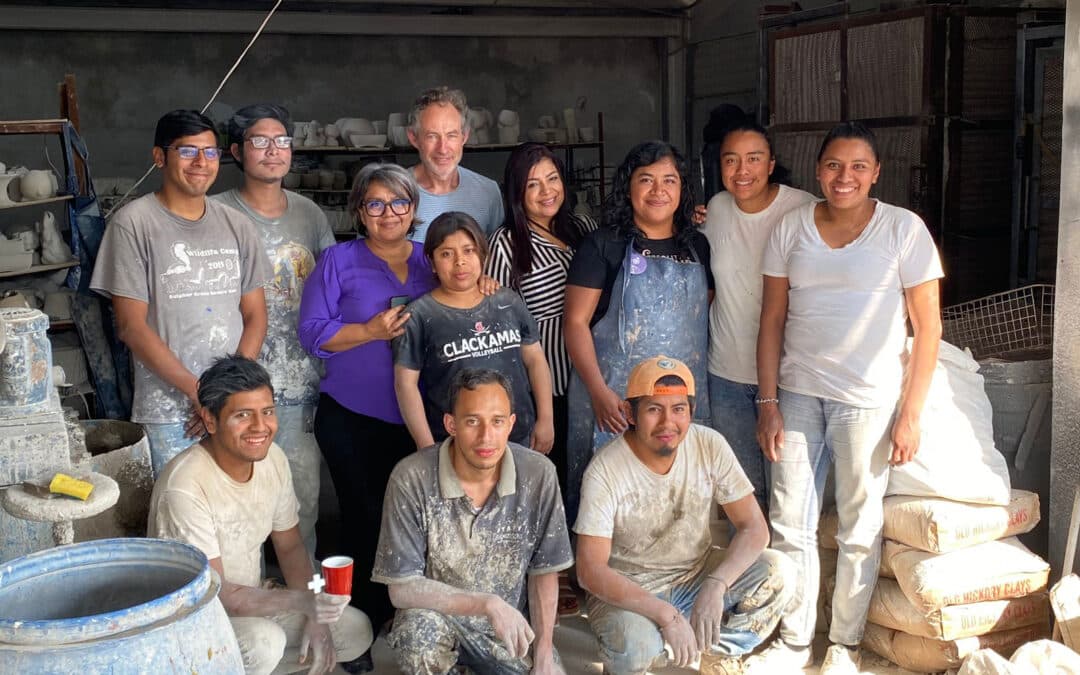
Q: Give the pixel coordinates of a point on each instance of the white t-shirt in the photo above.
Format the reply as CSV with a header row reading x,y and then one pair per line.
x,y
737,241
194,501
846,321
659,525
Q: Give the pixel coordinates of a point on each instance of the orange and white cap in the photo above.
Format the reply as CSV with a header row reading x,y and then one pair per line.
x,y
643,378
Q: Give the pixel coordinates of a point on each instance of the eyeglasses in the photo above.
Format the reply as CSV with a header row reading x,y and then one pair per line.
x,y
263,142
191,152
376,207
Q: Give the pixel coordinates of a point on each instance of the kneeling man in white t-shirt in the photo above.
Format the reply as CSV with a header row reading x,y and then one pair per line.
x,y
644,544
226,495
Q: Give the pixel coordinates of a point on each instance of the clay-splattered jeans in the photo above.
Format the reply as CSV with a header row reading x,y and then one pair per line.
x,y
630,642
296,438
166,441
429,643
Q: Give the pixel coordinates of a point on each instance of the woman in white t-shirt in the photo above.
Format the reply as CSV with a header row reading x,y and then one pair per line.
x,y
738,223
841,279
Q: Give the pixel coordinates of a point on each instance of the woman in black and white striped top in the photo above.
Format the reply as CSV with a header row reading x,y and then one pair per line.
x,y
531,253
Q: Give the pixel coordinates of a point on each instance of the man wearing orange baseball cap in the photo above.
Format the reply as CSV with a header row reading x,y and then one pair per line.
x,y
644,544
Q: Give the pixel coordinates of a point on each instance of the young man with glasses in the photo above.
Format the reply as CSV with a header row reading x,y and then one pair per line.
x,y
185,275
294,232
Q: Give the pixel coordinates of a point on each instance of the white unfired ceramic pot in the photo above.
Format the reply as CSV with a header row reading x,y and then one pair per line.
x,y
37,184
509,135
10,190
509,118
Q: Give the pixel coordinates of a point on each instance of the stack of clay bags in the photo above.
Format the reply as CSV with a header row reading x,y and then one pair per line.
x,y
954,578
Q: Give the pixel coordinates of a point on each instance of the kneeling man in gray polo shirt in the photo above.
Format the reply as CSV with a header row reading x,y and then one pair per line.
x,y
472,528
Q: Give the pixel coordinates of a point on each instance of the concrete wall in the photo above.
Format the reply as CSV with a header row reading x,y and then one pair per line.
x,y
127,79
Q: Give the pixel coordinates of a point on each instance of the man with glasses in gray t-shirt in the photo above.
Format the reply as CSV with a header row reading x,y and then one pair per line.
x,y
185,277
294,231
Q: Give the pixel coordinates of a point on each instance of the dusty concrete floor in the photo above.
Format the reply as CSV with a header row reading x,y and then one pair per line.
x,y
573,638
578,649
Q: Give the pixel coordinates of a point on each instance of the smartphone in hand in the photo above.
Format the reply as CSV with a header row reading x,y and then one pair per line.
x,y
399,300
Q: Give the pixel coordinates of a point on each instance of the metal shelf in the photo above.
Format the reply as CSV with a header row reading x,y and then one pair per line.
x,y
19,205
408,149
36,269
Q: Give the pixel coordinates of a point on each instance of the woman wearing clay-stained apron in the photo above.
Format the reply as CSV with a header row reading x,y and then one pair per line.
x,y
638,287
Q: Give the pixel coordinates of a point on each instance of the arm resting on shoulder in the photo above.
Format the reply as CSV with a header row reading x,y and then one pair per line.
x,y
253,311
149,348
411,403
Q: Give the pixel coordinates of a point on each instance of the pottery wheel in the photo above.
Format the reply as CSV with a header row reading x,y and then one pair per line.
x,y
21,504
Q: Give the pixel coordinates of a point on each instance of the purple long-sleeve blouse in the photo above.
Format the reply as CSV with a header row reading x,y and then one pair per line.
x,y
351,284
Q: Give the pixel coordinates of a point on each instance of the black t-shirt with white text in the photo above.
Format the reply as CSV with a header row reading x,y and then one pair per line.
x,y
439,341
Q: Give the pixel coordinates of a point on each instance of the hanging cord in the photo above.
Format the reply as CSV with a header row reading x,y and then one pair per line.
x,y
208,103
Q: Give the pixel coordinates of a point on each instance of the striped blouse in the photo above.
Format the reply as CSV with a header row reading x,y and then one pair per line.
x,y
544,291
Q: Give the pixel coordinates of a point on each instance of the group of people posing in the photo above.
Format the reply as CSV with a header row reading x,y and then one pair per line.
x,y
663,361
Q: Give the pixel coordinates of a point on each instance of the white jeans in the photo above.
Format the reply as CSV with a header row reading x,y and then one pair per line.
x,y
857,441
272,645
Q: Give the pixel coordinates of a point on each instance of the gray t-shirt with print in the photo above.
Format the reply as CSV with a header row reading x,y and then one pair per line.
x,y
191,273
293,243
440,340
431,529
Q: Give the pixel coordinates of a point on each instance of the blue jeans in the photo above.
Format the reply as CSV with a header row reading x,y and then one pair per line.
x,y
734,414
857,442
166,440
630,642
296,438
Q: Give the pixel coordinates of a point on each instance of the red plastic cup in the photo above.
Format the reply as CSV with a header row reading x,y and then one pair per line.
x,y
337,570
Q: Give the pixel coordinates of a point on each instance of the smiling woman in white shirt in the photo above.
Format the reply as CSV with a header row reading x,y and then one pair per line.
x,y
738,223
841,279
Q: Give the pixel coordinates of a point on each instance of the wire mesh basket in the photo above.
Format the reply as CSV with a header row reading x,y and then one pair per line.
x,y
1016,324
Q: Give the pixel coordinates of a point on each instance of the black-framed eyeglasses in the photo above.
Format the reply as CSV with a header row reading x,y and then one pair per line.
x,y
210,152
377,207
263,142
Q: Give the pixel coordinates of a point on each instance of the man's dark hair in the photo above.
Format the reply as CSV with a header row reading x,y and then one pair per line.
x,y
668,380
227,376
246,117
180,123
471,378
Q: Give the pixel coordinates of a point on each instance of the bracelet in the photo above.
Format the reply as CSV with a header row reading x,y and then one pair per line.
x,y
763,401
727,586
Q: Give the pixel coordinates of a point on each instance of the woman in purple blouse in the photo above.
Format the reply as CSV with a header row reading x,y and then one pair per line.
x,y
353,305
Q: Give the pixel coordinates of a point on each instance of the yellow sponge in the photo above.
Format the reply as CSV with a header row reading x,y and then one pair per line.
x,y
73,487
